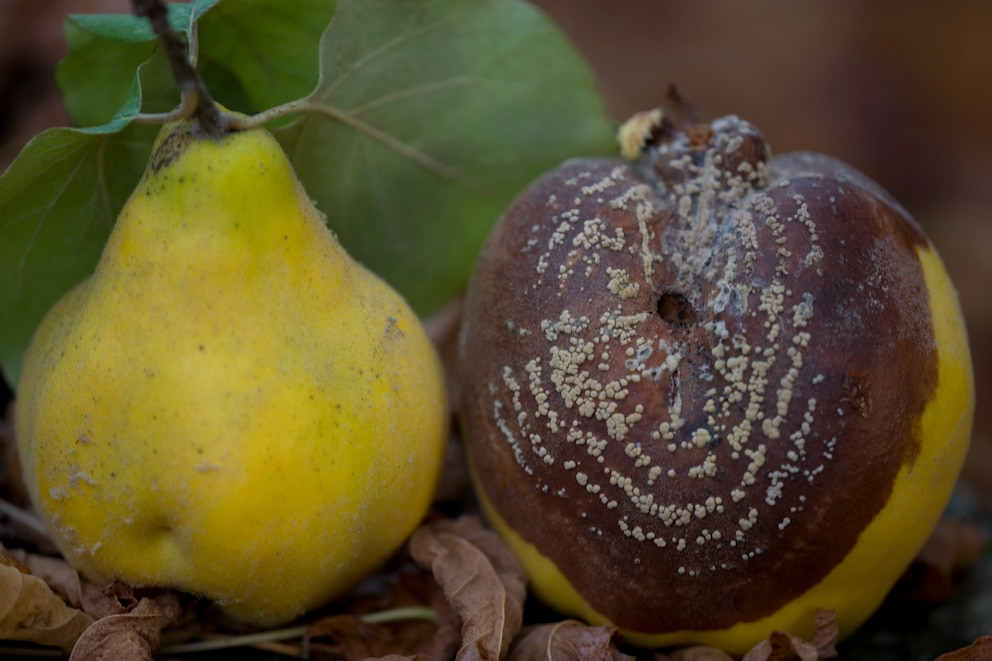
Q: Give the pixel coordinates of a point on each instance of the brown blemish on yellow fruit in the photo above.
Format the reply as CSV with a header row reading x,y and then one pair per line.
x,y
169,146
711,360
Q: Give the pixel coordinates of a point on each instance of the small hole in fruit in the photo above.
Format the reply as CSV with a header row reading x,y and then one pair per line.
x,y
675,309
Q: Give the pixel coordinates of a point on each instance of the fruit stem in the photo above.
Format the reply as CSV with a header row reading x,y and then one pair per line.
x,y
195,94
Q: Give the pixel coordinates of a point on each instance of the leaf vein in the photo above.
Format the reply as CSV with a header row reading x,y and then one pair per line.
x,y
44,213
414,92
375,53
410,152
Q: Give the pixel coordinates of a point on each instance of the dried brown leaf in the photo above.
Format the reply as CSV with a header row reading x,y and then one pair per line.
x,y
60,576
351,638
95,600
415,586
132,635
827,633
953,548
780,645
447,637
348,637
979,650
115,598
568,640
31,611
481,578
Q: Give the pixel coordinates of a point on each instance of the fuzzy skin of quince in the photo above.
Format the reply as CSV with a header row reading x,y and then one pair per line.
x,y
230,405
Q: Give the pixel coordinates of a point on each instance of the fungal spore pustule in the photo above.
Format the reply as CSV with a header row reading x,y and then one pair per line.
x,y
697,381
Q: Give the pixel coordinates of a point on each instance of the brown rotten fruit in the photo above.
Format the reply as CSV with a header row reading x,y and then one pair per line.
x,y
707,392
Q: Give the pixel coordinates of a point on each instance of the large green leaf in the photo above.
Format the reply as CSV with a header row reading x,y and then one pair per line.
x,y
430,115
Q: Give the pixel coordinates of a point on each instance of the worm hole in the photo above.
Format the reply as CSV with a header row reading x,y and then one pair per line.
x,y
674,308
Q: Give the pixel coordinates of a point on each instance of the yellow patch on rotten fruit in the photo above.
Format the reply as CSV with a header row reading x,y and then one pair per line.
x,y
856,587
635,133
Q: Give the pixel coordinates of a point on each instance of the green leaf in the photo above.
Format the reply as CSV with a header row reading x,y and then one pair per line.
x,y
59,200
99,65
83,29
104,52
429,117
270,47
254,54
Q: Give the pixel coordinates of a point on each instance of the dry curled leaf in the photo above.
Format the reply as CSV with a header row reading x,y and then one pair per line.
x,y
60,576
31,611
132,635
95,600
481,578
410,586
568,640
980,650
352,639
953,548
780,645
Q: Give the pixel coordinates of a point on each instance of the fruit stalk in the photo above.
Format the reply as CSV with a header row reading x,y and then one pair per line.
x,y
196,98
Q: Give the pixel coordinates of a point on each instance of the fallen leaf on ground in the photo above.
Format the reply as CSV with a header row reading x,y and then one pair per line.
x,y
134,635
60,576
568,640
980,650
481,578
30,611
780,646
352,639
408,586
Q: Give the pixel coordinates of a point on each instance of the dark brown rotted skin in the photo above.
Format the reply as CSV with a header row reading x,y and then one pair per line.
x,y
691,381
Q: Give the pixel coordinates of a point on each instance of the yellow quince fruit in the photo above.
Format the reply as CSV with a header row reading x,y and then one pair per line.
x,y
230,405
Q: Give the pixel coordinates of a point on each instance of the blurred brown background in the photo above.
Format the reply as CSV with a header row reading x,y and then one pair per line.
x,y
901,90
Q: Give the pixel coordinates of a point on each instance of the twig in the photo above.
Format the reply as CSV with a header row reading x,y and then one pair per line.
x,y
212,121
24,518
